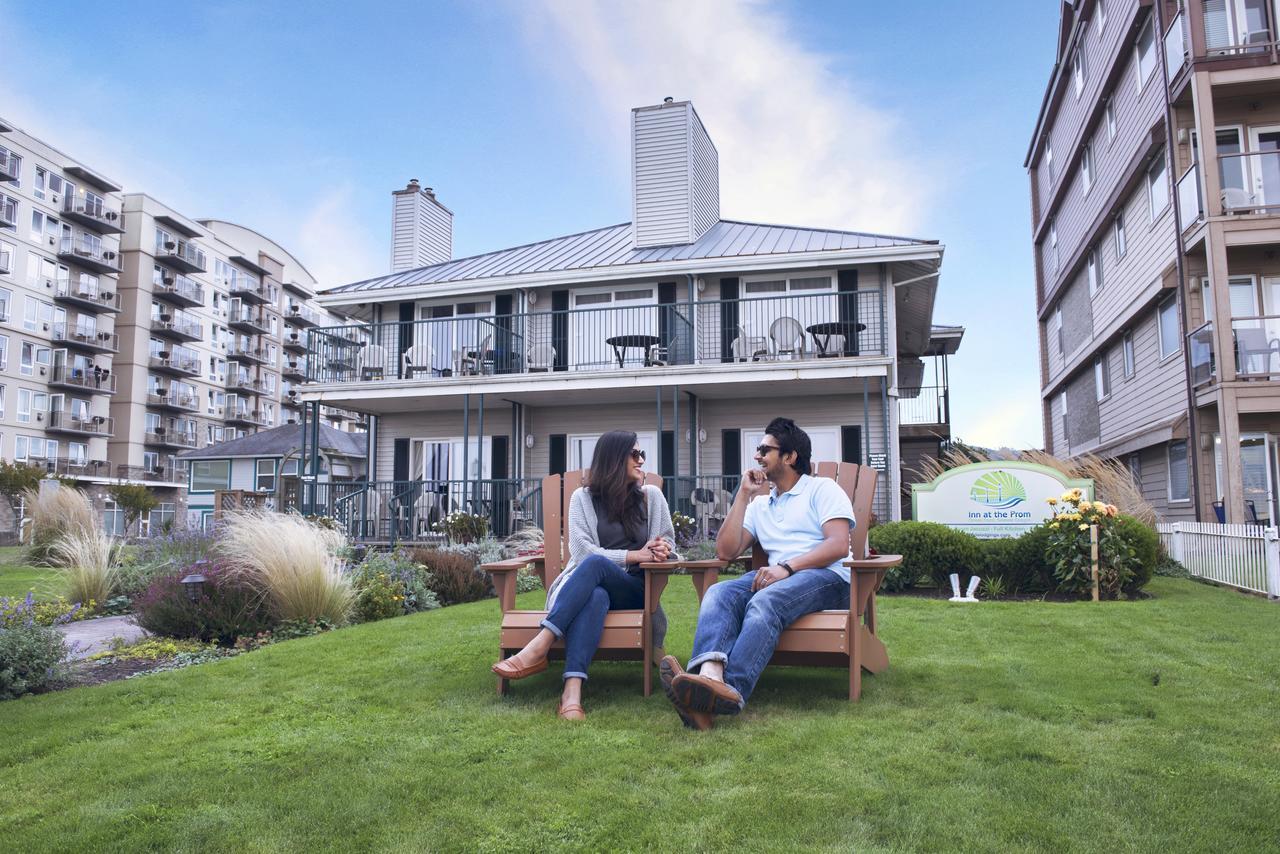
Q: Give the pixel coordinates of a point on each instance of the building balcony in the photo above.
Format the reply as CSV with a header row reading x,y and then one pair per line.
x,y
752,331
299,290
244,416
1200,347
10,165
295,370
245,383
291,400
179,361
88,251
177,326
168,400
250,354
301,316
1256,342
295,342
8,212
67,421
1250,182
156,474
79,467
179,289
181,255
247,319
924,406
1190,202
92,380
92,210
174,436
6,261
84,337
251,290
86,296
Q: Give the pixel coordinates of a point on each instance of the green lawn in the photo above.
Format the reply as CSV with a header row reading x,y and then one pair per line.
x,y
1142,726
16,578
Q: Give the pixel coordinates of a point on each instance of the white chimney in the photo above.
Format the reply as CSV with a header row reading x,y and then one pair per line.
x,y
675,175
421,228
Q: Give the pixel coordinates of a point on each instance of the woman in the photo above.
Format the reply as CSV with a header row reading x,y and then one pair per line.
x,y
615,524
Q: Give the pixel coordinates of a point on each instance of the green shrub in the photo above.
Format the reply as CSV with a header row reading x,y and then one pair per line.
x,y
391,584
1126,554
1170,568
706,550
1145,543
999,567
226,608
462,527
160,556
527,581
927,549
1031,562
455,576
31,659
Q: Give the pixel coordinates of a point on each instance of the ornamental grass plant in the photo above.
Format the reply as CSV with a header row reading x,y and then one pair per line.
x,y
54,513
297,565
86,557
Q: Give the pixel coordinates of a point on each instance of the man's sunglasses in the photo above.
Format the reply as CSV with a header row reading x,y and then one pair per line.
x,y
763,450
637,455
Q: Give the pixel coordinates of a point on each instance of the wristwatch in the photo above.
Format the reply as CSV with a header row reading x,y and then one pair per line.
x,y
787,566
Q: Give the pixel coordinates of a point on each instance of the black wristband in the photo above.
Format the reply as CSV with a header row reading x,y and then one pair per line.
x,y
788,568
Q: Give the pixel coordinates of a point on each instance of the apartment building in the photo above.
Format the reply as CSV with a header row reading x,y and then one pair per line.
x,y
1155,186
129,332
482,375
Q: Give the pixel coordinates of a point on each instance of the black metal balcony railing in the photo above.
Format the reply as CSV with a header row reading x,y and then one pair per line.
x,y
757,329
923,405
72,421
180,289
88,295
1200,347
94,380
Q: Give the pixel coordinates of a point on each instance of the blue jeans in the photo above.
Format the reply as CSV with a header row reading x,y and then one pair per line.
x,y
594,587
742,628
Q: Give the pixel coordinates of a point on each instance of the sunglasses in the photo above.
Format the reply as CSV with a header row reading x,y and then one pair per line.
x,y
763,450
637,455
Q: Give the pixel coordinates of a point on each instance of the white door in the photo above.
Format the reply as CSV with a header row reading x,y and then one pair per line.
x,y
599,316
1255,474
582,447
1264,164
825,442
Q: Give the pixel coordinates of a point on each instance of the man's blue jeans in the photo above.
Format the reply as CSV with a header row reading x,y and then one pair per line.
x,y
593,588
742,628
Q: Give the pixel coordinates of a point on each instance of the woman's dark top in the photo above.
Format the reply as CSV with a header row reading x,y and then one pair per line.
x,y
611,534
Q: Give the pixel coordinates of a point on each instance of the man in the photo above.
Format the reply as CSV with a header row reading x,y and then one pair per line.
x,y
803,524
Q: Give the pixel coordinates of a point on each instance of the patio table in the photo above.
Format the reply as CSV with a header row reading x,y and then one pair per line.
x,y
622,343
822,333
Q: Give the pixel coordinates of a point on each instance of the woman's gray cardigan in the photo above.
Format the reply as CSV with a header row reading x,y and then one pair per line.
x,y
584,541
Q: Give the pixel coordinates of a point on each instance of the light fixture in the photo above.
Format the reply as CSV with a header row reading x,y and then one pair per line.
x,y
702,435
194,583
533,297
528,440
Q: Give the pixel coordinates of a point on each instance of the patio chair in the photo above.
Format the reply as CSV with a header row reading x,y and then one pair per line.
x,y
473,361
541,358
748,348
787,337
838,638
418,358
1253,344
371,364
627,636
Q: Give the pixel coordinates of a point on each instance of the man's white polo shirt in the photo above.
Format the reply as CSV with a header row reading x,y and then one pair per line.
x,y
790,524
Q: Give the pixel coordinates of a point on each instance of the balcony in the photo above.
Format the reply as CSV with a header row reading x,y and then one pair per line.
x,y
6,261
80,424
181,434
179,289
1256,342
8,212
156,474
10,165
87,296
79,467
1200,344
246,383
1190,205
91,210
178,326
245,416
761,330
1250,182
169,400
181,361
301,316
924,406
295,370
85,337
1175,46
250,353
291,400
1229,33
88,251
251,290
296,342
94,380
181,255
247,319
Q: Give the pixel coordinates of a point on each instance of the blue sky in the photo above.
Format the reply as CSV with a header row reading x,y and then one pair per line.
x,y
298,119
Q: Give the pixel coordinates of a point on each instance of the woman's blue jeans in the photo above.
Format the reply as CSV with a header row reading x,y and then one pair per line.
x,y
593,589
742,628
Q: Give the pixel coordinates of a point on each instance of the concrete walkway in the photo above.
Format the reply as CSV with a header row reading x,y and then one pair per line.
x,y
89,636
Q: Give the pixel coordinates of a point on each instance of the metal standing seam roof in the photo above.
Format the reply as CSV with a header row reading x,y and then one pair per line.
x,y
279,441
611,247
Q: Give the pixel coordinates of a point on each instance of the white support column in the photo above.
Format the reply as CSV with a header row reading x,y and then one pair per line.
x,y
893,447
1273,562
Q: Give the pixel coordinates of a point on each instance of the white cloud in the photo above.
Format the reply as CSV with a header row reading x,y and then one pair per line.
x,y
797,143
332,241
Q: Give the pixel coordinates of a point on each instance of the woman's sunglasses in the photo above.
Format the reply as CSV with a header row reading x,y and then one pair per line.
x,y
637,455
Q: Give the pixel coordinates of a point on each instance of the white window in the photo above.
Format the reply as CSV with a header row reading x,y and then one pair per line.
x,y
1062,403
8,258
4,352
20,450
38,188
77,453
1126,345
2,399
1053,247
1168,328
210,475
31,401
265,476
1122,240
1077,69
1057,329
1145,52
1086,167
1102,376
15,164
1048,158
1100,12
1179,472
1093,266
1111,121
1157,188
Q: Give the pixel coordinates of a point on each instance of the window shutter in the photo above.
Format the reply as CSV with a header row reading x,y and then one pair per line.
x,y
851,445
560,334
400,460
728,317
559,454
730,457
847,286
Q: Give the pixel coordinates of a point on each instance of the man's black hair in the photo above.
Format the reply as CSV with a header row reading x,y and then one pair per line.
x,y
791,438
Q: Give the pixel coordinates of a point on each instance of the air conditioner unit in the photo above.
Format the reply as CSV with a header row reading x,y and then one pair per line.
x,y
109,255
111,216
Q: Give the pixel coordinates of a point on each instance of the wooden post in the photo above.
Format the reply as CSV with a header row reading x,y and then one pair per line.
x,y
1093,554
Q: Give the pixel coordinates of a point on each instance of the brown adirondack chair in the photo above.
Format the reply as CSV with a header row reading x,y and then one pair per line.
x,y
843,638
627,636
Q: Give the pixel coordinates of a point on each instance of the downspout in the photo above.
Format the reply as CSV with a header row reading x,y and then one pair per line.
x,y
1193,445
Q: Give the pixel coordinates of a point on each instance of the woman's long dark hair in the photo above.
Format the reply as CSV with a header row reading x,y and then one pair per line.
x,y
610,479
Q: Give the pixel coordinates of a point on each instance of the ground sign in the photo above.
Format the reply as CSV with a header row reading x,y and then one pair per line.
x,y
991,500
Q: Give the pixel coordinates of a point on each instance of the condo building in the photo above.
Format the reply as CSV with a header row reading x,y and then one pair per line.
x,y
130,332
482,375
1155,183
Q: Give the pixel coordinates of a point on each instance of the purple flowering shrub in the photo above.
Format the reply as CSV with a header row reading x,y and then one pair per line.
x,y
160,556
31,655
225,608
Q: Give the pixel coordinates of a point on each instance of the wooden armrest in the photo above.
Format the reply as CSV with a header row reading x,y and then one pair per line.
x,y
866,576
872,564
512,565
504,577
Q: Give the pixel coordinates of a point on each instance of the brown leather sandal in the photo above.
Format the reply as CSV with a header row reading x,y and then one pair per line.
x,y
571,712
509,669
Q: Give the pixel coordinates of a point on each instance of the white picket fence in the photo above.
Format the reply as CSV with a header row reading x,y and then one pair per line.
x,y
1242,556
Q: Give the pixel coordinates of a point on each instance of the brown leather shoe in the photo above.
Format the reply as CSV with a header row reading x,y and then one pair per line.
x,y
668,669
571,712
509,668
700,694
